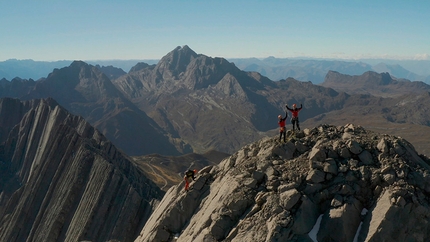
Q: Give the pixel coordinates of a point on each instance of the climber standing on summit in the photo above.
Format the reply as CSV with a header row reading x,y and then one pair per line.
x,y
295,115
281,123
190,174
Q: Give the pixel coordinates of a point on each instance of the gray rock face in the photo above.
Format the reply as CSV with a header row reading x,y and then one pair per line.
x,y
338,187
61,180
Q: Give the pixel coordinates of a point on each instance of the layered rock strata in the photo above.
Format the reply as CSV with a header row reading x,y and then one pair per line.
x,y
62,180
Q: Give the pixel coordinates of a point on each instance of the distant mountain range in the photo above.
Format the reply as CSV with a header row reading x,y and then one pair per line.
x,y
190,102
30,69
304,69
315,70
380,85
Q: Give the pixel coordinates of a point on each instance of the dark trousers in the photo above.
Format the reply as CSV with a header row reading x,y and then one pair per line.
x,y
295,122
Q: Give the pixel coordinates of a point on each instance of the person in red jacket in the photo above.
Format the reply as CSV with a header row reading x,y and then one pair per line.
x,y
295,115
281,123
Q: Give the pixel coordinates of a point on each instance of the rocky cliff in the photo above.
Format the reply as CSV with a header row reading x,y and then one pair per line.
x,y
329,183
62,180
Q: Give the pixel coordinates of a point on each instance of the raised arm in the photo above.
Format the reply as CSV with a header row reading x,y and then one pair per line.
x,y
286,115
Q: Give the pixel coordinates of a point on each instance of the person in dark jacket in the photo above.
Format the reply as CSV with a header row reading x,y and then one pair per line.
x,y
295,115
281,123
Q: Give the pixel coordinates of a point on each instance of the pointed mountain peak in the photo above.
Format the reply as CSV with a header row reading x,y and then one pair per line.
x,y
185,50
78,63
181,54
177,60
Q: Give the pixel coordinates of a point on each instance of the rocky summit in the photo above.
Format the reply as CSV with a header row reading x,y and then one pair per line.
x,y
329,183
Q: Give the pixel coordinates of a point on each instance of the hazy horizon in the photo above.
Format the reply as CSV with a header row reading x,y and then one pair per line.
x,y
260,58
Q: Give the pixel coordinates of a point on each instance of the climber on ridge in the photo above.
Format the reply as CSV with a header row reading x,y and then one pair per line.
x,y
190,174
295,115
281,123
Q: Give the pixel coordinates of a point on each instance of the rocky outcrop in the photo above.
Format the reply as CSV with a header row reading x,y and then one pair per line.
x,y
329,183
62,180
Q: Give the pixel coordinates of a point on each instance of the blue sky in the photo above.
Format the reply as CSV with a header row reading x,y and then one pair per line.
x,y
139,29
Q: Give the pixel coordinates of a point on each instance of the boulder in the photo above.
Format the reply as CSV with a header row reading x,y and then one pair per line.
x,y
354,147
289,198
317,154
316,176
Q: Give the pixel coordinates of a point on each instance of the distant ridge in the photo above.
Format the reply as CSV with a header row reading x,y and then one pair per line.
x,y
376,84
29,69
315,70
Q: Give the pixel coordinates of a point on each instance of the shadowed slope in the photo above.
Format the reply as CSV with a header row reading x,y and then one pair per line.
x,y
62,180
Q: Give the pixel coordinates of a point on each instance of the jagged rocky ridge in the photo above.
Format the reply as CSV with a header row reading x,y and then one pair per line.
x,y
62,180
346,181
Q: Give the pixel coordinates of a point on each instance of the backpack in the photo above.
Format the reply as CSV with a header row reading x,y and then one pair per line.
x,y
189,173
